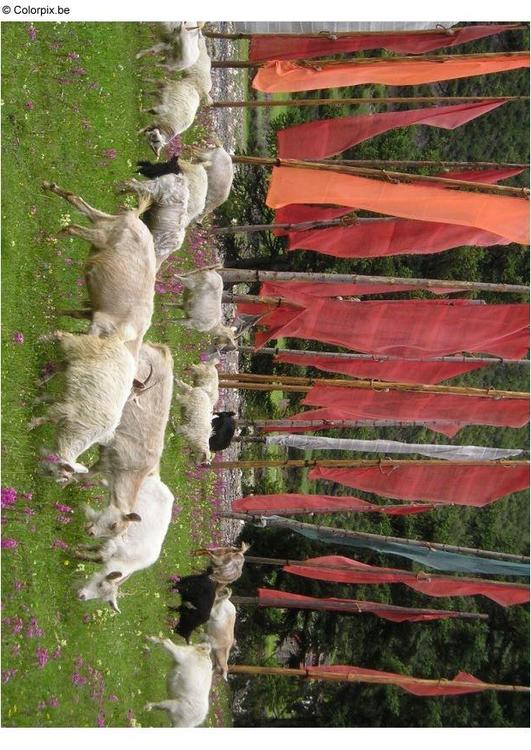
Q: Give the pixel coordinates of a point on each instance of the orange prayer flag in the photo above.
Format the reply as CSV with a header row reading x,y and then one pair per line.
x,y
500,214
283,75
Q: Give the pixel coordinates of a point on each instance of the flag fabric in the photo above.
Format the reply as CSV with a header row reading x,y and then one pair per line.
x,y
294,503
402,327
444,452
273,47
445,484
409,684
297,213
380,237
397,371
320,139
502,215
338,569
275,598
284,76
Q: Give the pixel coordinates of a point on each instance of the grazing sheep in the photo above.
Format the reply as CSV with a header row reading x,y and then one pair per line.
x,y
135,451
99,378
179,102
199,72
120,270
205,376
179,44
220,171
223,429
196,410
202,304
189,683
198,594
136,550
227,562
220,630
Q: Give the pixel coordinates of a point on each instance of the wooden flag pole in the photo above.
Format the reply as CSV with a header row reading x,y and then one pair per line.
x,y
336,424
443,31
251,276
275,382
305,463
317,63
245,669
418,575
254,103
254,601
380,174
289,523
380,357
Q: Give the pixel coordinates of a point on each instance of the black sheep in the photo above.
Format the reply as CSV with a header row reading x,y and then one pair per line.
x,y
198,593
223,429
158,169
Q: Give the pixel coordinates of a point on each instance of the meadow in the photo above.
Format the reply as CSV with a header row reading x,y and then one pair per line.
x,y
71,101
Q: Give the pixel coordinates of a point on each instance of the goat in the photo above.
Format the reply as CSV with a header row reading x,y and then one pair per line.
x,y
120,271
99,377
188,684
135,451
220,630
223,429
198,594
203,291
196,409
179,44
220,171
205,376
199,72
136,550
227,562
176,110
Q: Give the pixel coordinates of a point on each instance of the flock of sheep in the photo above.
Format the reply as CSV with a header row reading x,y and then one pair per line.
x,y
119,388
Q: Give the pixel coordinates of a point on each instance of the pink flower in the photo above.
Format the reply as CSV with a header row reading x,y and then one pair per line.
x,y
101,719
63,519
63,508
58,544
32,32
42,656
9,496
113,698
28,511
80,281
53,702
15,650
56,653
19,585
8,674
73,56
9,543
28,495
78,72
110,153
17,337
29,105
78,679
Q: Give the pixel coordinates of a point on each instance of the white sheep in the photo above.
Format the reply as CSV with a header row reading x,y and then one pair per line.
x,y
220,172
176,110
120,270
199,72
226,562
137,445
99,379
188,683
179,44
220,630
202,304
137,549
196,412
205,376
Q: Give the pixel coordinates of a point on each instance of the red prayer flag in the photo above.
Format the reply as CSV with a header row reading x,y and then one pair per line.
x,y
338,569
297,213
397,371
409,684
274,598
320,139
278,75
403,327
273,47
381,237
295,503
499,214
448,484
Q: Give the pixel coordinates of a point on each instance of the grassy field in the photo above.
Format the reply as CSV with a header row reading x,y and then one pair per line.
x,y
71,100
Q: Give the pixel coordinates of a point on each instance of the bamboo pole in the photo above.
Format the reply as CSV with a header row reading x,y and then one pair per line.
x,y
301,226
254,601
333,424
317,63
442,31
420,575
381,357
250,276
289,523
241,379
246,669
381,174
305,463
254,103
466,165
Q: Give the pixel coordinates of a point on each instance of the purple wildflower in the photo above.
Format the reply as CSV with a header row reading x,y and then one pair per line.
x,y
59,544
73,56
9,543
78,72
110,153
9,496
42,656
113,698
17,337
53,702
19,585
32,32
101,719
63,508
56,653
78,679
28,511
7,674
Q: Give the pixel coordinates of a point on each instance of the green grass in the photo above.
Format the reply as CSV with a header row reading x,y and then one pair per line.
x,y
71,101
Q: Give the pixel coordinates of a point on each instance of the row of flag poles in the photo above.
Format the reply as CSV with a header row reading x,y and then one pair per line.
x,y
397,351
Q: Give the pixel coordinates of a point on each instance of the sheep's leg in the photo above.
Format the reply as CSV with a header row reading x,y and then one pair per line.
x,y
90,556
92,213
160,47
58,367
169,646
46,398
163,706
76,230
81,313
38,421
156,81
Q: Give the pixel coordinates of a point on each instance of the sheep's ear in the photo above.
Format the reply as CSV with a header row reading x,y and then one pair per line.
x,y
131,517
113,575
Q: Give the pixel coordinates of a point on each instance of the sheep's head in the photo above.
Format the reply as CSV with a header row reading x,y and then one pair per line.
x,y
225,336
102,586
156,140
109,522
